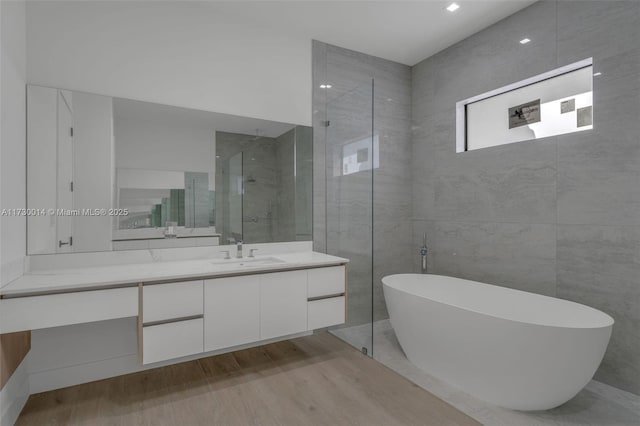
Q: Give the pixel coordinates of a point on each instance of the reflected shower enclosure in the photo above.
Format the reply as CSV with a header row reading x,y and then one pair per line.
x,y
264,186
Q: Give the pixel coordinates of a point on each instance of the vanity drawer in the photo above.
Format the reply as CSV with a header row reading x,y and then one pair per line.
x,y
172,340
53,310
326,312
170,301
326,281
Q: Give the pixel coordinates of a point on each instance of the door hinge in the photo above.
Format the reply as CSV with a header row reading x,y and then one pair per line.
x,y
71,131
71,186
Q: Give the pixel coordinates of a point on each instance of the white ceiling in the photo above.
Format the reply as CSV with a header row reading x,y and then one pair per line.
x,y
398,30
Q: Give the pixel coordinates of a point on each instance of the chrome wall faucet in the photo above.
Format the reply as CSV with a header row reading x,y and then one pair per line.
x,y
423,254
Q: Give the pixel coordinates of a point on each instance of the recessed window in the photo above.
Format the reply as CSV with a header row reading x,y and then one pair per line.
x,y
550,104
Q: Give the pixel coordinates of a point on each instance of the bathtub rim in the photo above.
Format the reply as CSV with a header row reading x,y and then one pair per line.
x,y
608,320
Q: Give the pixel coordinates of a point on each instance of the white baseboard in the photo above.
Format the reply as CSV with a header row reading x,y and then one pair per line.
x,y
14,395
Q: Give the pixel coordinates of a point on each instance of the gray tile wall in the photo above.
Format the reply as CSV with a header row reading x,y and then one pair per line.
x,y
304,183
279,194
285,226
349,203
559,216
260,196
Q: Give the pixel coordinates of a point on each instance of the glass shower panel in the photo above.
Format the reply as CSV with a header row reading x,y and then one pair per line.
x,y
350,159
233,193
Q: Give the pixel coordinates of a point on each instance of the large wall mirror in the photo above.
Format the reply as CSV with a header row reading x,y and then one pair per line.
x,y
108,173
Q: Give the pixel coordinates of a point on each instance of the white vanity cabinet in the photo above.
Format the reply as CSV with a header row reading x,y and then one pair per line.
x,y
186,318
231,311
196,316
172,301
172,340
171,320
247,309
326,297
283,303
54,310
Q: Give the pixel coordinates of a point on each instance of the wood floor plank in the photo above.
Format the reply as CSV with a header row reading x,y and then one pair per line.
x,y
312,380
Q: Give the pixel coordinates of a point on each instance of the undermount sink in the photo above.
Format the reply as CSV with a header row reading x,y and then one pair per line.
x,y
248,261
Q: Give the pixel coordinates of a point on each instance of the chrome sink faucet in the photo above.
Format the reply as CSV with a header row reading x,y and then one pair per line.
x,y
239,248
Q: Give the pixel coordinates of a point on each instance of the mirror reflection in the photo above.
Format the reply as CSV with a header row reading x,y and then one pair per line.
x,y
114,174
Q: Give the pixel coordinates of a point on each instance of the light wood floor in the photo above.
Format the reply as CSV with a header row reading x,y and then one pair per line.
x,y
313,380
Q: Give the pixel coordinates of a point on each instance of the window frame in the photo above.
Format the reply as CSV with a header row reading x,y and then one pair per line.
x,y
461,106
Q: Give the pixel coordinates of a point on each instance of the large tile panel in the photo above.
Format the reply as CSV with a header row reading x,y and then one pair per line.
x,y
520,256
599,266
599,169
597,29
507,183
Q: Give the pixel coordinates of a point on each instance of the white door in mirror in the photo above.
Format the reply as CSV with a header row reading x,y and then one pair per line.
x,y
64,224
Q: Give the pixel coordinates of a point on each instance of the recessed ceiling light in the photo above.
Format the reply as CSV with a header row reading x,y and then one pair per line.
x,y
597,74
453,7
525,41
325,86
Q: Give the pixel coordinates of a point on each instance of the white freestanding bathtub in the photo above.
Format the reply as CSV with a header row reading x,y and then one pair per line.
x,y
508,347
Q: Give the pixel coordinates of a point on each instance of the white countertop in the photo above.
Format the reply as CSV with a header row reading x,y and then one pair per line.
x,y
95,277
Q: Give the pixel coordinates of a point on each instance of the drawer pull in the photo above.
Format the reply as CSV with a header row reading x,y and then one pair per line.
x,y
328,296
168,321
